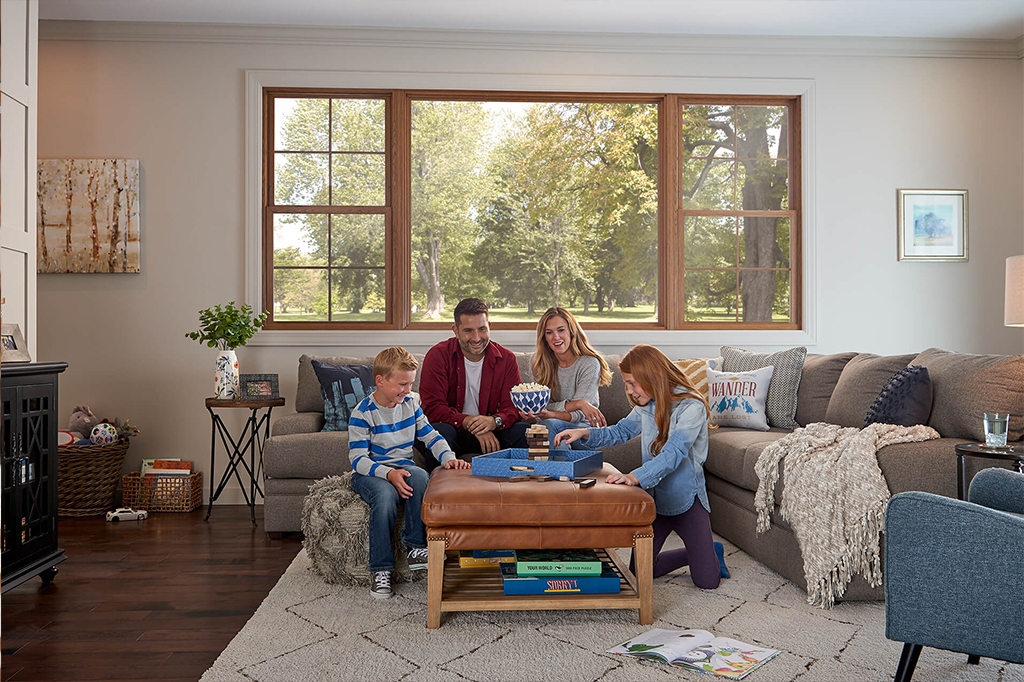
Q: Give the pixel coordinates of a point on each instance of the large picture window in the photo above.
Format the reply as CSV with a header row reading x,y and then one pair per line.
x,y
383,209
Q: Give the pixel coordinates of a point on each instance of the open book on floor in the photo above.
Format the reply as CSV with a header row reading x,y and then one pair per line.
x,y
697,650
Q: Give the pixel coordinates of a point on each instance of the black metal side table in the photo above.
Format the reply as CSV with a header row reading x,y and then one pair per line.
x,y
1013,452
250,440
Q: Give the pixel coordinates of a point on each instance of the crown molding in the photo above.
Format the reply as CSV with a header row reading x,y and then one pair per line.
x,y
126,31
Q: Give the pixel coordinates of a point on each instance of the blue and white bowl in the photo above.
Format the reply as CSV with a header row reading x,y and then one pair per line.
x,y
531,402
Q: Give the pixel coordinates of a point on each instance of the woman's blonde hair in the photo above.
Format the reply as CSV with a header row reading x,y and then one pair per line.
x,y
658,377
545,365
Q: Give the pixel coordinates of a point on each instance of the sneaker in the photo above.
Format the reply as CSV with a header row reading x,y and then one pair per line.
x,y
418,559
381,588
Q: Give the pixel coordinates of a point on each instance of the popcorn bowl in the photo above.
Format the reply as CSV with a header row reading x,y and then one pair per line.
x,y
531,401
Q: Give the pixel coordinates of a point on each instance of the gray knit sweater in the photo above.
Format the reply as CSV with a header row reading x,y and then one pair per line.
x,y
578,381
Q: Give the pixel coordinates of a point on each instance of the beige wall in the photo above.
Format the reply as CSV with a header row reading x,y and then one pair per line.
x,y
177,103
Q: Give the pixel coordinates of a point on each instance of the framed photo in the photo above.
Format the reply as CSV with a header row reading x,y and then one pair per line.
x,y
14,347
258,386
932,224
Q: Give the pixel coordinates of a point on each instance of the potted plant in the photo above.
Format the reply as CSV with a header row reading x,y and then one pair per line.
x,y
227,328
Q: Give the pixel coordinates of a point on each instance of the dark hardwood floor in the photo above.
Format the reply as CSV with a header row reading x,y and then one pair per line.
x,y
142,600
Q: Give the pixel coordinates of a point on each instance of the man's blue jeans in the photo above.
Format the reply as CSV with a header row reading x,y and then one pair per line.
x,y
383,500
556,426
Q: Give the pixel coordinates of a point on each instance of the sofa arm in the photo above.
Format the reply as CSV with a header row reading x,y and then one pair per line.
x,y
300,422
952,576
1000,489
307,455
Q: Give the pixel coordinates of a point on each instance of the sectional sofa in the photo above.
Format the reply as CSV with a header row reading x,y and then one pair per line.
x,y
836,388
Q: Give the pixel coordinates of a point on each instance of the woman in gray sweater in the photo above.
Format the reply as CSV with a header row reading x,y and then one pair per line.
x,y
567,363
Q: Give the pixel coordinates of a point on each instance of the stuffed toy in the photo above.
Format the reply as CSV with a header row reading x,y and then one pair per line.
x,y
81,423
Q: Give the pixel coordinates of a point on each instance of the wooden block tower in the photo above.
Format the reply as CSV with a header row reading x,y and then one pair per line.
x,y
537,441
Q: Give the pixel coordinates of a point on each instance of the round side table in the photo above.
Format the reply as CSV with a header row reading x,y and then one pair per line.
x,y
1013,452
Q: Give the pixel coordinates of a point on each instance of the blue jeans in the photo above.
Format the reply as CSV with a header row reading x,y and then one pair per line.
x,y
556,426
383,500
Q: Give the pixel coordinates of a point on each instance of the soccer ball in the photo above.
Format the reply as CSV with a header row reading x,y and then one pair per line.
x,y
103,434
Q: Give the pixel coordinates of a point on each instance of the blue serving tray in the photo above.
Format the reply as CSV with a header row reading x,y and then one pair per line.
x,y
578,463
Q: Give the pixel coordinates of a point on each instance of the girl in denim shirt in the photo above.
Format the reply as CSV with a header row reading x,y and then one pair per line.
x,y
671,418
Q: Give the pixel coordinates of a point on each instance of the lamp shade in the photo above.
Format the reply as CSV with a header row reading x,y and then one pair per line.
x,y
1013,310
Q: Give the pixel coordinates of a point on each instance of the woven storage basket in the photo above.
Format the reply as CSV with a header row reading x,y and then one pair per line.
x,y
87,477
163,493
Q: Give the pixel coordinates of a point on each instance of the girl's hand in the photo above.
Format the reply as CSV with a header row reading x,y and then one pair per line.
x,y
571,436
624,479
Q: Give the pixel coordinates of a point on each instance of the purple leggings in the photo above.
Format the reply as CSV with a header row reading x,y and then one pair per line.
x,y
694,528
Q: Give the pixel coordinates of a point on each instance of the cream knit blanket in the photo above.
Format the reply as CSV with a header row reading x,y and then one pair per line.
x,y
834,499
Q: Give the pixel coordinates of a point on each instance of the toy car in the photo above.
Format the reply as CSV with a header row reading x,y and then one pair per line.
x,y
126,514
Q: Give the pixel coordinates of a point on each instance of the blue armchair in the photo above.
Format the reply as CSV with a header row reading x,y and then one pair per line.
x,y
954,571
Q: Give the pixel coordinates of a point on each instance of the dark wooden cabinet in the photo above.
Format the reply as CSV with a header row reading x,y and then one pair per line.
x,y
29,498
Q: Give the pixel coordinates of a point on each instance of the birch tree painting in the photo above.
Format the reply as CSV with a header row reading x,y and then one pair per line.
x,y
88,217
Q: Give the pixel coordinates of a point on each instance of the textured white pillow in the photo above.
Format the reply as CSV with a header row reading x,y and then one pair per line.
x,y
737,399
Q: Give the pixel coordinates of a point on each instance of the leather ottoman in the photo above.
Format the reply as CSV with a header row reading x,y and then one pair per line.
x,y
462,511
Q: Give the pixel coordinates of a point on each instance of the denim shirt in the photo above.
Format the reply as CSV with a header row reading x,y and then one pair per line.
x,y
676,475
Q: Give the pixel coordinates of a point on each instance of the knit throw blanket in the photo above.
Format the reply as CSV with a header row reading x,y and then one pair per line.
x,y
834,499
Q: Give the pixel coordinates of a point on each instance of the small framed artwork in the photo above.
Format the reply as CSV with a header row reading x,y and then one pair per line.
x,y
14,347
258,386
932,224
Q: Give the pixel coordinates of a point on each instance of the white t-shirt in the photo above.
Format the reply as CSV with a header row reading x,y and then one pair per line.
x,y
471,405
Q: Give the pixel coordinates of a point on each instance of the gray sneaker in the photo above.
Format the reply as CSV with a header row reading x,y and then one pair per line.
x,y
418,559
381,587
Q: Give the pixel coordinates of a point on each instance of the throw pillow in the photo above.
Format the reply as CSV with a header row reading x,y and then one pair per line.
x,y
696,369
737,399
342,386
782,393
905,401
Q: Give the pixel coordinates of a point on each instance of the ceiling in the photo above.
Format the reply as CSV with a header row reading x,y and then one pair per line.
x,y
969,19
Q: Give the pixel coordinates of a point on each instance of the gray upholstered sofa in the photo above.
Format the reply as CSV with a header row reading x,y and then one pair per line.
x,y
835,388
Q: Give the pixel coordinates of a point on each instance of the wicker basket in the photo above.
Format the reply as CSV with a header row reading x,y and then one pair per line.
x,y
163,493
87,477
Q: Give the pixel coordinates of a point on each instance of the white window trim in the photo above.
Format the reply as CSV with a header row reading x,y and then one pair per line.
x,y
683,339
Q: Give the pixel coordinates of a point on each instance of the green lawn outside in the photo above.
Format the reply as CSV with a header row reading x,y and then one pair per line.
x,y
635,314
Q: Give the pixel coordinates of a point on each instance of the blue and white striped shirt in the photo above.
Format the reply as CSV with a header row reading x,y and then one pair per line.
x,y
381,438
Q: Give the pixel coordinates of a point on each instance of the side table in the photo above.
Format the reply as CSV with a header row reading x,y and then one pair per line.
x,y
250,440
1013,452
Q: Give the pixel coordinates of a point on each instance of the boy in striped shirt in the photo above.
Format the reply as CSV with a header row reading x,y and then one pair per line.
x,y
381,433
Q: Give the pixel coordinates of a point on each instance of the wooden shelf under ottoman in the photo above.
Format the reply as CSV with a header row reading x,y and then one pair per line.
x,y
462,511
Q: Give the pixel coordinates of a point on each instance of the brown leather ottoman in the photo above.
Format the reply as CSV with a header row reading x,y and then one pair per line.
x,y
462,511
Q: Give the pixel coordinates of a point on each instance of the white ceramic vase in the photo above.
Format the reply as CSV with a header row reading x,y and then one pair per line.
x,y
225,379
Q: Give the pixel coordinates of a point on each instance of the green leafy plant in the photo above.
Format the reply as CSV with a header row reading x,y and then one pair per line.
x,y
227,327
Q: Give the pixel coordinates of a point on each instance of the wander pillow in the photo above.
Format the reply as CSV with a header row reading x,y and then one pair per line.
x,y
695,370
905,401
342,386
737,399
782,393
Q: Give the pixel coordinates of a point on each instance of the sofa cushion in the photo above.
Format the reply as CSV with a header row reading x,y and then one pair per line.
x,y
342,386
732,454
968,385
817,381
861,381
782,392
905,401
307,455
737,399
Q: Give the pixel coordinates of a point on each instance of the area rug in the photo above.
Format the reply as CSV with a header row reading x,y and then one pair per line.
x,y
307,630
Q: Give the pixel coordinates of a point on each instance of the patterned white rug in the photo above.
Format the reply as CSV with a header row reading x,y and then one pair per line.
x,y
307,630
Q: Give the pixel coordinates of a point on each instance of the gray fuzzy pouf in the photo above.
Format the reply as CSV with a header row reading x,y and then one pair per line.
x,y
335,521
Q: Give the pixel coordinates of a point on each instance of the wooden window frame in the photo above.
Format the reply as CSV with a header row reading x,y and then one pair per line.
x,y
398,198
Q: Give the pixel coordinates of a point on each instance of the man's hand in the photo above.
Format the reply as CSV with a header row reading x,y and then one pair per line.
x,y
571,436
488,442
478,424
396,477
624,479
457,464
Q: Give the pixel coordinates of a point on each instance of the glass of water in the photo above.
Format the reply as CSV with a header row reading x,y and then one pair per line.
x,y
996,424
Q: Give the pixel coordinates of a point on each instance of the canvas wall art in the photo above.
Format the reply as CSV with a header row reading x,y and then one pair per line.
x,y
88,217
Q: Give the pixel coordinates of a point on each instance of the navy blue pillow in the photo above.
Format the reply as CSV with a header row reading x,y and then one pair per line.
x,y
342,387
905,401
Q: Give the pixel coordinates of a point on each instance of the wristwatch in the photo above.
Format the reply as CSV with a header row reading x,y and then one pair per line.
x,y
498,423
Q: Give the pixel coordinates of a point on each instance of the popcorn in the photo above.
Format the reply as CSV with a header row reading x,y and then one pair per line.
x,y
523,388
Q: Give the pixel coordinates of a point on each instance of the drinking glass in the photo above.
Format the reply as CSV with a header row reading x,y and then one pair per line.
x,y
995,429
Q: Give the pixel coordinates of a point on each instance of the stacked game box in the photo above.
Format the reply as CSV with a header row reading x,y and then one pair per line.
x,y
564,571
